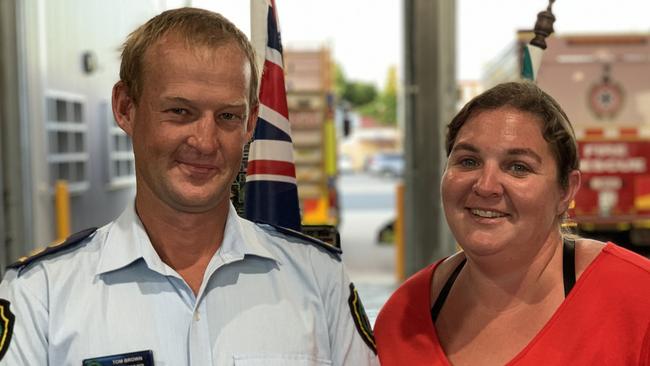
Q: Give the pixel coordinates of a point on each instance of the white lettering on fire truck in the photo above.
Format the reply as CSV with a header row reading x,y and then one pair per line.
x,y
605,150
629,165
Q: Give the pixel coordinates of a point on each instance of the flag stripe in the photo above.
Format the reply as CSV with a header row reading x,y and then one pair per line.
x,y
269,178
273,34
274,56
275,201
272,167
271,150
276,119
272,91
266,131
531,62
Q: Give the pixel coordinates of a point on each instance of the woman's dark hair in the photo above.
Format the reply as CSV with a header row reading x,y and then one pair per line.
x,y
526,97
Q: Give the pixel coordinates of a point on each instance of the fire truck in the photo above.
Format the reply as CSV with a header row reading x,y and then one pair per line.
x,y
603,84
309,82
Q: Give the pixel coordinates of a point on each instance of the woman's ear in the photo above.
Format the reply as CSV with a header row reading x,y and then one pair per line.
x,y
573,185
123,107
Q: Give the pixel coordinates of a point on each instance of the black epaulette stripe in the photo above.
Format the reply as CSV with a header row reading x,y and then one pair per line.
x,y
297,234
73,239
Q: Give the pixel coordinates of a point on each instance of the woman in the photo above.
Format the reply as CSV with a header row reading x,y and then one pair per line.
x,y
521,292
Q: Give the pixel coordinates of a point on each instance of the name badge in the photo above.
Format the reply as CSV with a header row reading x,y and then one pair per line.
x,y
142,358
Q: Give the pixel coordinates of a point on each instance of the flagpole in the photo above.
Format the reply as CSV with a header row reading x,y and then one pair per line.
x,y
532,57
258,32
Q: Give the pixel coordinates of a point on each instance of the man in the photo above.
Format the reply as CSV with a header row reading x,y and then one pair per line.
x,y
179,278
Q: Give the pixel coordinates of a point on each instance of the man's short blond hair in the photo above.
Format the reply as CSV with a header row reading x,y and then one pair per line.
x,y
199,28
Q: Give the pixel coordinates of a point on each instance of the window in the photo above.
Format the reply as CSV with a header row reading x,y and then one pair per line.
x,y
121,164
66,129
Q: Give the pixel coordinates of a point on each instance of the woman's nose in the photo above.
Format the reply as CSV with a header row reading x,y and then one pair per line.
x,y
488,182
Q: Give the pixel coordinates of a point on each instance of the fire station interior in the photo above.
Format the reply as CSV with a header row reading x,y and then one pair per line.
x,y
65,164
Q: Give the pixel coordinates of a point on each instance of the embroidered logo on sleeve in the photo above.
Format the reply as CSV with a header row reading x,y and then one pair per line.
x,y
361,319
7,319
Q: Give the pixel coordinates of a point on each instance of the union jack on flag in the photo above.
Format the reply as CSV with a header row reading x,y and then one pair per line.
x,y
271,191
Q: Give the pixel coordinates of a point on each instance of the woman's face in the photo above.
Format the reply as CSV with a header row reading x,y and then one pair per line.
x,y
500,188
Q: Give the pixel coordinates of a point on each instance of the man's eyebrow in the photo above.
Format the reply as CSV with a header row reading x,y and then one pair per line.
x,y
177,99
233,104
525,151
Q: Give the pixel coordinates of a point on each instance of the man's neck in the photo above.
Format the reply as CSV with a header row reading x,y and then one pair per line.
x,y
185,241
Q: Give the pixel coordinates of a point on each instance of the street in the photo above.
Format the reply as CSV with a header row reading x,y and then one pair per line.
x,y
368,203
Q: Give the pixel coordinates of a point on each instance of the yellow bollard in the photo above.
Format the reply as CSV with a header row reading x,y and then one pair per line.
x,y
62,209
399,233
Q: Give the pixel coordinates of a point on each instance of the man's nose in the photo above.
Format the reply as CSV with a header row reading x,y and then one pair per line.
x,y
204,137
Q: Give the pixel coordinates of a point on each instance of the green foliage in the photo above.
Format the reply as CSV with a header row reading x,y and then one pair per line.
x,y
364,98
359,93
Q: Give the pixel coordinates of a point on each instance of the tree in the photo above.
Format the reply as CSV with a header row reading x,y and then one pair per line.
x,y
364,98
384,107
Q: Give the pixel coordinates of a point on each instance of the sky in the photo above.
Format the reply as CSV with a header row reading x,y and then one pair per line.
x,y
365,36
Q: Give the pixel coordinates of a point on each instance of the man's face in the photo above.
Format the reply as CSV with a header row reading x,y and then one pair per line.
x,y
190,124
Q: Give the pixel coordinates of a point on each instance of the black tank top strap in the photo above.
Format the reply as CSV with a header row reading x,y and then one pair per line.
x,y
568,274
568,265
437,306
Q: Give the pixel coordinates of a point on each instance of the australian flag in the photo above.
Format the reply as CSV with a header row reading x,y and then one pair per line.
x,y
271,190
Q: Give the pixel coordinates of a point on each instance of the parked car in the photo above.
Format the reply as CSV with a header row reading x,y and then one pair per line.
x,y
390,164
345,164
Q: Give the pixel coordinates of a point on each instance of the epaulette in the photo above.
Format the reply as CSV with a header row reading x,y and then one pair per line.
x,y
310,239
70,242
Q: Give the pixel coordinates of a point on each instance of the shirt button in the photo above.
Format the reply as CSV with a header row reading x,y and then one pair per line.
x,y
197,316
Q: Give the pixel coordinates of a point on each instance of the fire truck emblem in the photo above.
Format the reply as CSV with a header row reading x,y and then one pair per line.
x,y
606,97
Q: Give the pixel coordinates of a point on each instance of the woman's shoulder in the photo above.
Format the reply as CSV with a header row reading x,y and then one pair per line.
x,y
407,311
587,250
413,288
620,256
614,270
443,272
414,294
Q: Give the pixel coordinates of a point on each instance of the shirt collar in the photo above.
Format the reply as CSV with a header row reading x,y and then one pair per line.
x,y
241,238
127,241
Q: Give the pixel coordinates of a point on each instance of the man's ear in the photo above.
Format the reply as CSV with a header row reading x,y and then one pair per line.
x,y
251,122
570,191
123,107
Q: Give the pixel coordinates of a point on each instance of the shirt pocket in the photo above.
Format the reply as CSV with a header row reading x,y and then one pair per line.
x,y
280,360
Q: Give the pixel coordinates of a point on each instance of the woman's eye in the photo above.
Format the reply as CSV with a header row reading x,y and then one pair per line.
x,y
519,169
468,163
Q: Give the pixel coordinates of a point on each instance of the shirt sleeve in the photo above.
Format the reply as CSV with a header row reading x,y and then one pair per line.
x,y
24,319
351,339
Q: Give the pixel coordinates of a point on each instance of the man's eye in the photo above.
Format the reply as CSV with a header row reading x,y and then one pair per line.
x,y
179,111
227,116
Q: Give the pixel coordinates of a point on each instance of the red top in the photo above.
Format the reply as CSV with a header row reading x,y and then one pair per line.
x,y
605,320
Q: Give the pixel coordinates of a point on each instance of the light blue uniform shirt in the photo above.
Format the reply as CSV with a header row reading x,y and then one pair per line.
x,y
266,299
